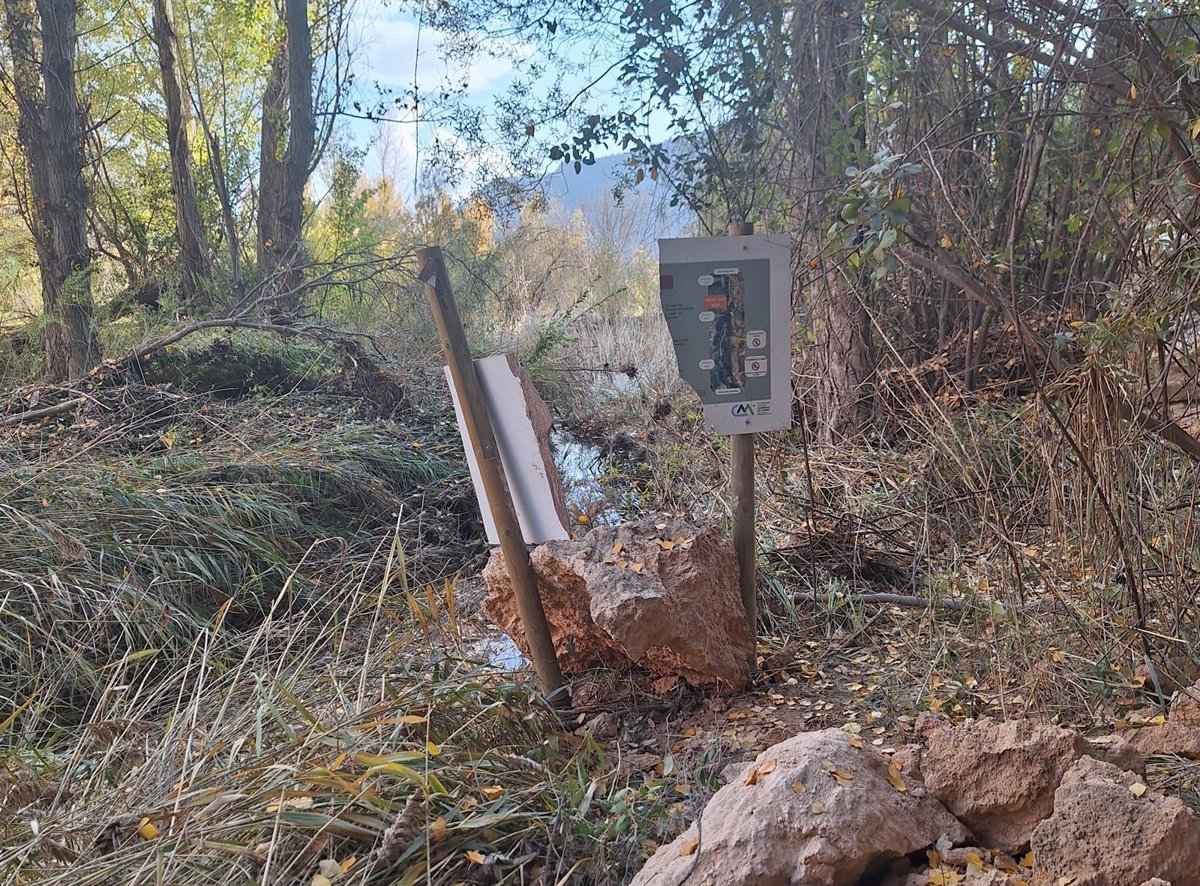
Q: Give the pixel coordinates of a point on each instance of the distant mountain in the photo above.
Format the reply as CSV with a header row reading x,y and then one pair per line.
x,y
606,187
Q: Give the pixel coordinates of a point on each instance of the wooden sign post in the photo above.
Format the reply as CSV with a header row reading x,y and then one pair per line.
x,y
742,506
478,425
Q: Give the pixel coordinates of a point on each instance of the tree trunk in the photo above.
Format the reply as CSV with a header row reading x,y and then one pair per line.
x,y
281,252
50,131
195,265
827,72
272,138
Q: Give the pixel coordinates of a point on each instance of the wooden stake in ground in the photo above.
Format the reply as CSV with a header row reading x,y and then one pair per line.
x,y
742,489
479,430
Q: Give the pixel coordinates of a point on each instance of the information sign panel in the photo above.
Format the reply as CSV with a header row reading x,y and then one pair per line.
x,y
728,305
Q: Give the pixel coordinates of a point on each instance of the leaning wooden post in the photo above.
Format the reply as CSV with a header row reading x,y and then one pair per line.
x,y
479,430
742,489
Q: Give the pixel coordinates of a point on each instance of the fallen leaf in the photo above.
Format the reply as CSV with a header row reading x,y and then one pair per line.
x,y
1133,92
582,518
856,742
492,793
817,808
438,829
411,719
475,857
636,567
973,859
320,880
660,526
894,778
1137,789
751,776
768,767
147,829
944,877
617,548
666,544
1027,859
663,685
432,749
798,788
689,848
348,865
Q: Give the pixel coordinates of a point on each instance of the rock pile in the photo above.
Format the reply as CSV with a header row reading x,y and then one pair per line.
x,y
976,803
660,594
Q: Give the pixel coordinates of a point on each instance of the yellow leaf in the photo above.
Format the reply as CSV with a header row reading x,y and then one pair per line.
x,y
438,829
798,788
751,777
1137,789
147,829
1196,128
768,767
973,859
621,564
492,793
944,877
617,548
348,864
665,544
947,243
411,719
689,847
894,778
475,857
856,742
432,749
1133,91
1027,859
469,803
842,777
320,880
933,857
582,518
636,567
817,808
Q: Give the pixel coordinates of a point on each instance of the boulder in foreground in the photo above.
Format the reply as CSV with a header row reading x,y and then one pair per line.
x,y
1109,829
820,809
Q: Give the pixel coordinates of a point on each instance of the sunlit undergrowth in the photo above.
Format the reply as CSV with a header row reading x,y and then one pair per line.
x,y
230,654
108,554
331,742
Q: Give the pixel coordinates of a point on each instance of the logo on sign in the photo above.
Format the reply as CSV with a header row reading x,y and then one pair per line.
x,y
742,410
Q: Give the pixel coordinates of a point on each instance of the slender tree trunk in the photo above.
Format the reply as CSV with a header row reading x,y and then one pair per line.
x,y
828,74
194,258
50,131
272,138
281,253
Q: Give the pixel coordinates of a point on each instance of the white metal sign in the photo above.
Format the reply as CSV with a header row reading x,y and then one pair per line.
x,y
521,423
728,304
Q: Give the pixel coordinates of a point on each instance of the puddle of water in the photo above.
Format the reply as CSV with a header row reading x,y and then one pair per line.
x,y
582,468
499,652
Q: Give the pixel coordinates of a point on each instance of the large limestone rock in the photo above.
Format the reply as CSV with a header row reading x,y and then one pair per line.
x,y
999,778
660,594
1180,734
1108,829
815,809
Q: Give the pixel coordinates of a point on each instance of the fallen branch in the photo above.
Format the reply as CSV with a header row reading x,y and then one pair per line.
x,y
33,414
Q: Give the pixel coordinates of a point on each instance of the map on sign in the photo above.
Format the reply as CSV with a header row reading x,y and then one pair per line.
x,y
728,305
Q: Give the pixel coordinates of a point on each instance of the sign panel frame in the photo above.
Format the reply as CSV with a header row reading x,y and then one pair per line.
x,y
728,305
